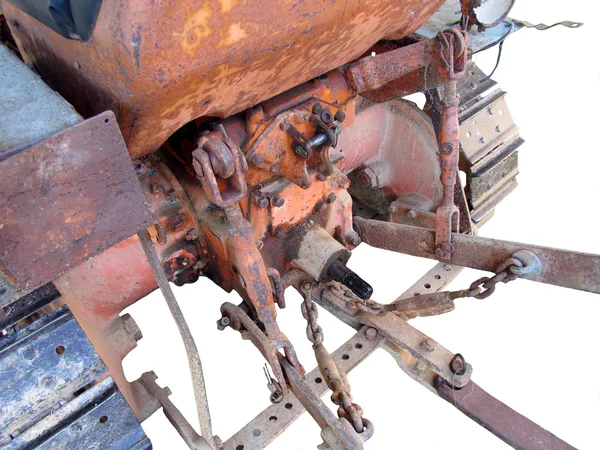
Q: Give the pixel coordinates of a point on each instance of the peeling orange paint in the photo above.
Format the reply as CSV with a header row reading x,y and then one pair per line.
x,y
194,29
227,5
235,34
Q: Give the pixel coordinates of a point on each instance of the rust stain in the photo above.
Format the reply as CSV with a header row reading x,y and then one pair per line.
x,y
235,34
195,29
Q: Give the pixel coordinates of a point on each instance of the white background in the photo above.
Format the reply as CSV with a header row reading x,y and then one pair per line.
x,y
535,347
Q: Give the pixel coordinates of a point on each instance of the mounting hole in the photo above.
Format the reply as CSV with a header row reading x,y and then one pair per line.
x,y
318,380
256,432
103,419
437,277
288,406
273,419
416,294
469,134
345,356
59,350
488,187
503,174
427,286
239,447
358,345
105,120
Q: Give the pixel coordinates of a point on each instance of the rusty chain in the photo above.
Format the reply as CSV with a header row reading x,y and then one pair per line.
x,y
480,289
354,303
330,368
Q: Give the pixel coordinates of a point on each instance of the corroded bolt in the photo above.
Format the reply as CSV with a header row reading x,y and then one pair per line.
x,y
331,198
355,239
47,382
411,214
321,177
326,116
300,181
368,178
371,333
257,159
306,286
259,199
223,323
319,206
191,235
340,116
131,327
280,233
157,188
277,201
447,267
317,108
428,345
275,168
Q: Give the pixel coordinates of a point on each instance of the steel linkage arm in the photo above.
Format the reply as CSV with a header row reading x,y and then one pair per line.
x,y
564,268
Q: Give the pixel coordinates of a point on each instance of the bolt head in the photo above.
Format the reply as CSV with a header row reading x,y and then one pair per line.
x,y
412,214
371,333
428,345
321,177
278,201
331,198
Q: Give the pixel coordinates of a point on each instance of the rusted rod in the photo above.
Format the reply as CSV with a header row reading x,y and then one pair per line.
x,y
564,268
188,340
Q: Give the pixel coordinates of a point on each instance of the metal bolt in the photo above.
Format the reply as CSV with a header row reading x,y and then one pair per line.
x,y
340,116
317,108
321,177
326,116
411,214
368,178
300,181
482,140
275,168
331,198
191,235
447,267
306,286
223,323
47,382
319,206
257,159
428,345
278,201
131,327
371,333
300,150
29,354
355,239
259,199
157,188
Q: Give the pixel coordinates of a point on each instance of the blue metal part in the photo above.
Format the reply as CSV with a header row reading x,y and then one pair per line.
x,y
49,394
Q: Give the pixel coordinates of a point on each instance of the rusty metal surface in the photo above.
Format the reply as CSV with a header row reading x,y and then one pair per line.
x,y
67,199
516,430
569,269
158,66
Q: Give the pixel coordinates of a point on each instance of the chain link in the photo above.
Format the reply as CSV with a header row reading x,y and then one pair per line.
x,y
314,332
330,368
353,303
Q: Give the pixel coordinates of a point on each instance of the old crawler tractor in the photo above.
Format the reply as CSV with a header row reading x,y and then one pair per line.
x,y
144,143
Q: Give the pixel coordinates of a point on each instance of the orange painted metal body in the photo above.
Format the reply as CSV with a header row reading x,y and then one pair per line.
x,y
158,65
